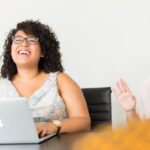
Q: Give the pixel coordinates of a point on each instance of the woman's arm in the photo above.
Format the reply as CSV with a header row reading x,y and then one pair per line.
x,y
78,115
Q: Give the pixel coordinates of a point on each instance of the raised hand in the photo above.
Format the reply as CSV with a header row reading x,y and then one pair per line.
x,y
125,96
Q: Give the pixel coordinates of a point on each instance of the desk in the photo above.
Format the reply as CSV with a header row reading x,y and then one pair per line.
x,y
61,142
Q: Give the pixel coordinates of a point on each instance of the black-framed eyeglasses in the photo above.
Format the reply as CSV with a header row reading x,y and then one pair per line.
x,y
31,40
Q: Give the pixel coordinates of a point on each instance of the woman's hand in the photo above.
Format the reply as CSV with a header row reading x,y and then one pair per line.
x,y
45,128
125,96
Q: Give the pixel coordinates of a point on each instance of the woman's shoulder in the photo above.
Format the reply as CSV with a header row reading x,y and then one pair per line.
x,y
64,77
65,81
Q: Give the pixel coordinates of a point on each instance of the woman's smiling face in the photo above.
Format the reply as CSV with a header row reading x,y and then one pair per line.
x,y
25,49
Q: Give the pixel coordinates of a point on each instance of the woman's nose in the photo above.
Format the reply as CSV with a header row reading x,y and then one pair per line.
x,y
25,42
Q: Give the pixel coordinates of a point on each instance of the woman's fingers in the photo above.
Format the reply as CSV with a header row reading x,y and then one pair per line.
x,y
120,86
123,87
126,86
42,131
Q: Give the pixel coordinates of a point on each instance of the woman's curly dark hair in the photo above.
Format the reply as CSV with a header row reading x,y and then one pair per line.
x,y
51,62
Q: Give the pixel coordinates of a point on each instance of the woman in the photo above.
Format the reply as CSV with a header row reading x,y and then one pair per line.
x,y
134,108
32,69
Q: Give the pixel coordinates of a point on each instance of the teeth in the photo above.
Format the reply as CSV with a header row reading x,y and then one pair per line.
x,y
24,52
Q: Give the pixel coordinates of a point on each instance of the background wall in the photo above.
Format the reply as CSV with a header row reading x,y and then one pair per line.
x,y
101,40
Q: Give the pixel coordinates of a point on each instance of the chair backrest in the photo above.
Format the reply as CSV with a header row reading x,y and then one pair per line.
x,y
99,105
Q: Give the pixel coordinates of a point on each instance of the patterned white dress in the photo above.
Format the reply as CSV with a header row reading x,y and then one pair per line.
x,y
45,103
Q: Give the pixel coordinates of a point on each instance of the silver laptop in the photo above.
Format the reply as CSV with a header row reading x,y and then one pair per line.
x,y
17,124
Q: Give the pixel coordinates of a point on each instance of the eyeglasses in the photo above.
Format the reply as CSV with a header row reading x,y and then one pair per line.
x,y
31,40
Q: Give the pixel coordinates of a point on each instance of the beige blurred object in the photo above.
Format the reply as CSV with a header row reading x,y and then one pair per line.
x,y
134,137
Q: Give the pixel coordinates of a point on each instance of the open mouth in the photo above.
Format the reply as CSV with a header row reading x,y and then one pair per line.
x,y
24,52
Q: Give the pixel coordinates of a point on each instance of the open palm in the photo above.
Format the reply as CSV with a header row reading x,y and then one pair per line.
x,y
125,97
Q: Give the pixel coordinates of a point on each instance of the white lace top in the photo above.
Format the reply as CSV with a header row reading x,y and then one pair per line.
x,y
45,103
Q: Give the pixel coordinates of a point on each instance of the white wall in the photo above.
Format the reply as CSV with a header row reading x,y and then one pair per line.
x,y
101,40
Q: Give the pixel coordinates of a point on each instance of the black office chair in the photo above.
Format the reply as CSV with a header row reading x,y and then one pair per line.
x,y
99,105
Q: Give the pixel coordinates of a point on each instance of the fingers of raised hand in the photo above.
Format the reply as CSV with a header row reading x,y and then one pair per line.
x,y
122,86
119,89
126,87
